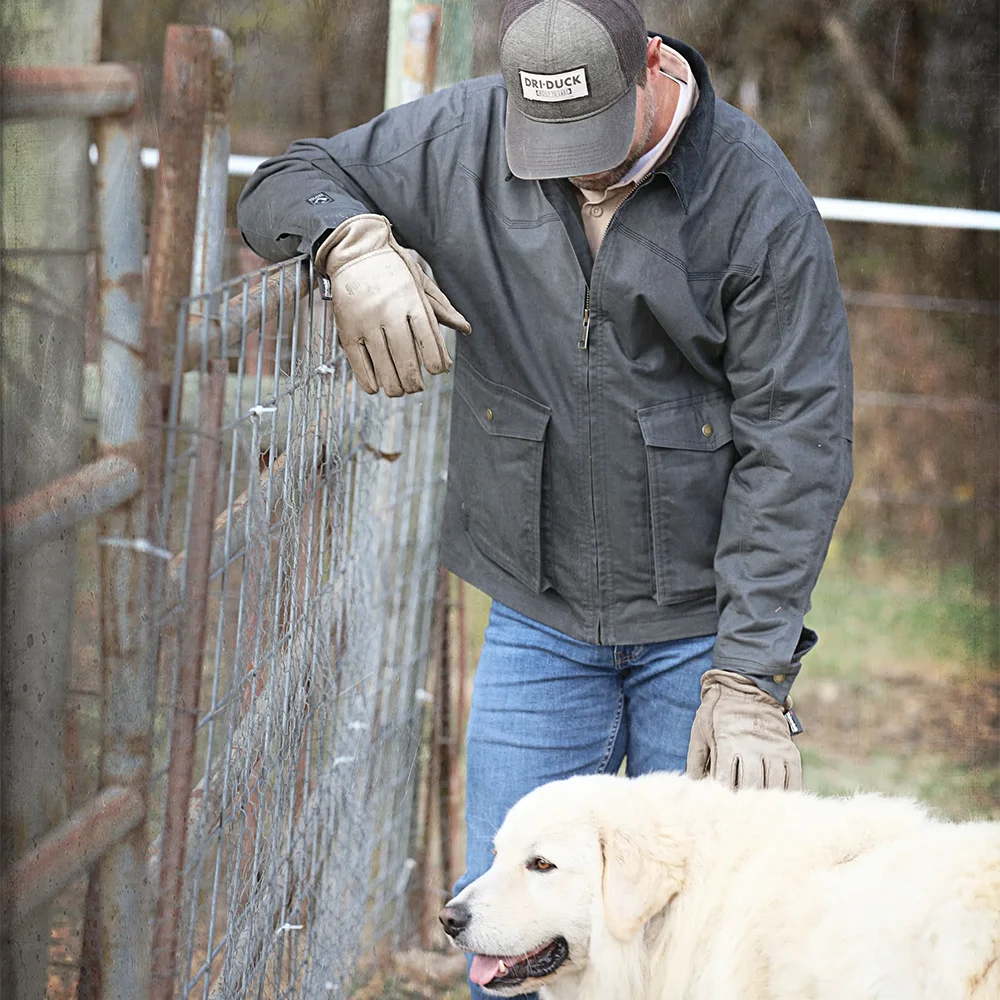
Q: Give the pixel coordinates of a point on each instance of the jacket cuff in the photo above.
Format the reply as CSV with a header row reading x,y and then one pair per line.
x,y
777,683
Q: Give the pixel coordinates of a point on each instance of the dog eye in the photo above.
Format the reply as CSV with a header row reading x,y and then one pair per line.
x,y
540,865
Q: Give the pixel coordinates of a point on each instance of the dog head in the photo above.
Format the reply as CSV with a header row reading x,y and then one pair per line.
x,y
580,867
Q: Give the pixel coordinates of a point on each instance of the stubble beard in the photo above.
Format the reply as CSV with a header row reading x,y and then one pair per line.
x,y
605,179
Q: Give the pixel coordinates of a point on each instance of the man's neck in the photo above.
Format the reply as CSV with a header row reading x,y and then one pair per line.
x,y
666,93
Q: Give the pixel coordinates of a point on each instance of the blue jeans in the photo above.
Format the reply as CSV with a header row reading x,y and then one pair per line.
x,y
545,706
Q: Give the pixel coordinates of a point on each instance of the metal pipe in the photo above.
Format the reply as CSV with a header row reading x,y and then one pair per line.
x,y
91,491
128,680
213,177
93,90
187,62
838,209
223,334
73,846
185,97
447,805
185,719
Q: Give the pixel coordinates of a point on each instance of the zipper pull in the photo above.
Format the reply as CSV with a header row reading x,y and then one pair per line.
x,y
585,332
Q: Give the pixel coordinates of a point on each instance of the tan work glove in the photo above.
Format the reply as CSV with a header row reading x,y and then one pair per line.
x,y
741,736
387,309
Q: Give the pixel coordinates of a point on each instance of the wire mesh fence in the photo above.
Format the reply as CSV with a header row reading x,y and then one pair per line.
x,y
310,511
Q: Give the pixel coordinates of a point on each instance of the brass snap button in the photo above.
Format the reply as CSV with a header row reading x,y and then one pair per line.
x,y
489,413
779,678
707,430
597,211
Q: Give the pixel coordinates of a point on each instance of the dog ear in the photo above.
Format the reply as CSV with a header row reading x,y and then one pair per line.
x,y
642,874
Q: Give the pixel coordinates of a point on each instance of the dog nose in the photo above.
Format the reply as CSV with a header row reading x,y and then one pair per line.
x,y
454,918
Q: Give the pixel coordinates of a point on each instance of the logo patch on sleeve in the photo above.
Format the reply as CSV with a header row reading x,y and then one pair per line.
x,y
554,86
319,199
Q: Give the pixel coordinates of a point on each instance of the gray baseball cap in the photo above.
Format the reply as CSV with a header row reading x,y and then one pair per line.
x,y
571,68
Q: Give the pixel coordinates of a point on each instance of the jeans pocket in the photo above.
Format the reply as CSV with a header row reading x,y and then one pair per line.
x,y
689,456
498,448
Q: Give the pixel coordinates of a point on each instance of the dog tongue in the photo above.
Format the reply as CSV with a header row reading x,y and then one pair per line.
x,y
484,969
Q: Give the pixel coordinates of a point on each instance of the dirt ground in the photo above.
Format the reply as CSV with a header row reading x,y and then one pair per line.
x,y
419,975
935,738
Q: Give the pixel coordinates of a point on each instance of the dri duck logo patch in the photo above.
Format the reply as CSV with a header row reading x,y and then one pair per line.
x,y
554,86
319,199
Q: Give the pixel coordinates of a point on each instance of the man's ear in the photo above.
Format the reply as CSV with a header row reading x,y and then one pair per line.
x,y
642,874
653,45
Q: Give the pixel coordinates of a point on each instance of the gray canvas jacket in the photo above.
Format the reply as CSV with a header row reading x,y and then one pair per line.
x,y
648,445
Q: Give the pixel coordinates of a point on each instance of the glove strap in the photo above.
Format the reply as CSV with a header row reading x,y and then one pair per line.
x,y
794,725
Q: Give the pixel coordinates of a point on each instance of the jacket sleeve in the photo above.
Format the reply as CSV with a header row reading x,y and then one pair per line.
x,y
400,165
788,362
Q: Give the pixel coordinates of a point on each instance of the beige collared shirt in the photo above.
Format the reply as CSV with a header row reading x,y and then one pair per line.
x,y
598,207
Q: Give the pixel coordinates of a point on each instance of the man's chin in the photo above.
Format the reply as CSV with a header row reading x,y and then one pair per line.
x,y
599,182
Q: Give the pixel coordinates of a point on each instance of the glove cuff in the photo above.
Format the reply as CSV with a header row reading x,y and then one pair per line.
x,y
734,682
726,679
359,235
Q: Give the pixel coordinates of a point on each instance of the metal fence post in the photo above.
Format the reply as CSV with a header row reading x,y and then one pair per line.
x,y
128,682
213,177
179,775
187,68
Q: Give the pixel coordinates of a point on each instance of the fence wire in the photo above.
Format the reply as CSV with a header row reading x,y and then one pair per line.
x,y
322,572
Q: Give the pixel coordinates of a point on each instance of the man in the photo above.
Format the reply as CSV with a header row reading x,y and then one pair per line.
x,y
651,421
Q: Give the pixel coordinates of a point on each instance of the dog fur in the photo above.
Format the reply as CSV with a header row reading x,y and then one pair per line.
x,y
670,889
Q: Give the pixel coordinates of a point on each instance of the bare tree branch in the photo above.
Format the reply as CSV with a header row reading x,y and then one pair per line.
x,y
864,86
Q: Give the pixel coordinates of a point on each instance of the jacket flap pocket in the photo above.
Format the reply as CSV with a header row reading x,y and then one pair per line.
x,y
699,424
501,411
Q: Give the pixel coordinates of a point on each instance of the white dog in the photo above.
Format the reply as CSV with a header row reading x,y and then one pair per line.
x,y
663,888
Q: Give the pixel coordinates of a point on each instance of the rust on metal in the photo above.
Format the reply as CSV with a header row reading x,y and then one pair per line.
x,y
279,296
184,96
187,62
221,100
69,501
93,90
213,179
185,718
131,284
69,849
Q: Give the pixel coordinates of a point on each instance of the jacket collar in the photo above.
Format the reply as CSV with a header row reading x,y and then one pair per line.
x,y
683,167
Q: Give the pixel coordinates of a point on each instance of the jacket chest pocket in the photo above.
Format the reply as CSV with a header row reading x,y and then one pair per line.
x,y
498,445
689,455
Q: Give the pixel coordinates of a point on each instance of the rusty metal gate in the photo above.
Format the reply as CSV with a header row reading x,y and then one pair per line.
x,y
247,717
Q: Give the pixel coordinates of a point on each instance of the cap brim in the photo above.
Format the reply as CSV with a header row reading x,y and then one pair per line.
x,y
542,150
